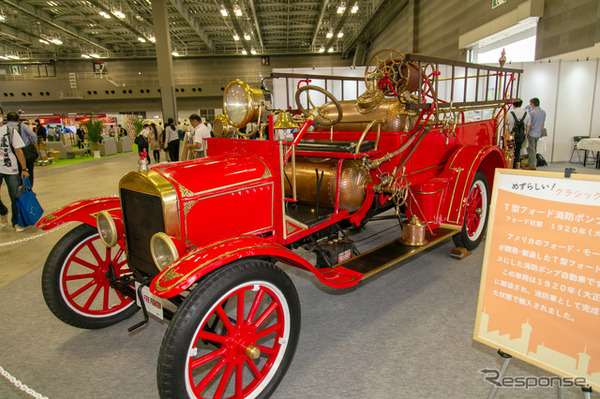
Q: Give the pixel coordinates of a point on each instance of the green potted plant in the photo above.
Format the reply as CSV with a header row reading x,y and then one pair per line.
x,y
94,134
138,125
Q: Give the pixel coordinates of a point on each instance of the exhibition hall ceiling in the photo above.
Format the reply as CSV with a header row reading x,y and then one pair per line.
x,y
57,29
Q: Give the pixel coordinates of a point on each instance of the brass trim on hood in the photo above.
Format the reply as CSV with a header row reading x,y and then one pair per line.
x,y
152,183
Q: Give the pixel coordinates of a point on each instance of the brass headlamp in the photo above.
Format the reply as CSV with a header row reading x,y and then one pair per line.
x,y
243,103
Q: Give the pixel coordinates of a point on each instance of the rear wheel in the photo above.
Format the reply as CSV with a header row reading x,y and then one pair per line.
x,y
75,283
476,214
234,336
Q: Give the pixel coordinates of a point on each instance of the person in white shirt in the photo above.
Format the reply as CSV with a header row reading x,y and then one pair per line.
x,y
200,132
11,156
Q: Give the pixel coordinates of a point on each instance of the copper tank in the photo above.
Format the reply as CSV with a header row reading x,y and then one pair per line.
x,y
371,105
354,179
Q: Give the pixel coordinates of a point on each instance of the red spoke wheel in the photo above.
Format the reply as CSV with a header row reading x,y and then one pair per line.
x,y
75,283
233,337
476,214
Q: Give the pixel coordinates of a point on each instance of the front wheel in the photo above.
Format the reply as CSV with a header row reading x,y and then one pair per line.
x,y
75,283
234,336
476,214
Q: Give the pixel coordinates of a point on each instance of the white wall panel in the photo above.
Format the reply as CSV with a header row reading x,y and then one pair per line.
x,y
541,80
574,105
595,127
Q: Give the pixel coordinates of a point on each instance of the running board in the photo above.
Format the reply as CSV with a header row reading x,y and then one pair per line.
x,y
380,258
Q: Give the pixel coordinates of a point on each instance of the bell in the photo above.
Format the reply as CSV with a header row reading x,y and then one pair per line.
x,y
413,233
285,121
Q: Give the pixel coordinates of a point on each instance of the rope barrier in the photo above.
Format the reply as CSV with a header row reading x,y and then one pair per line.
x,y
20,385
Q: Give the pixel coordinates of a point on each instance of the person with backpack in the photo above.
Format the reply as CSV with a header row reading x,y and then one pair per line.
x,y
28,136
518,125
11,158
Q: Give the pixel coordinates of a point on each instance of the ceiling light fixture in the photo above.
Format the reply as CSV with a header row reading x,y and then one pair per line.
x,y
247,36
253,52
341,8
236,37
118,14
244,52
86,56
354,8
13,57
105,15
95,55
321,49
341,34
174,53
141,39
329,35
330,50
237,11
58,42
2,17
44,41
224,12
52,3
152,39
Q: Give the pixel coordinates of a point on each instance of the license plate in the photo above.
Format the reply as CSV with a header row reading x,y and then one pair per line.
x,y
153,303
347,254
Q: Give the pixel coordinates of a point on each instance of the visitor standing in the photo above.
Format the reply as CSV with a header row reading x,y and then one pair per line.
x,y
142,142
28,137
537,120
518,124
200,133
154,142
40,130
172,141
80,136
11,157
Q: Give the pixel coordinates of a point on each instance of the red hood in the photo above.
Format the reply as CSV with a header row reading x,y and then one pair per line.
x,y
207,174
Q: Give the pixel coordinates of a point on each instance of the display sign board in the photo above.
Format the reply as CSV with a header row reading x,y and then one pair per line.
x,y
539,298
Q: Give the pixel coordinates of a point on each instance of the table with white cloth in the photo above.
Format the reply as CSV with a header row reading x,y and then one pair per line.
x,y
590,145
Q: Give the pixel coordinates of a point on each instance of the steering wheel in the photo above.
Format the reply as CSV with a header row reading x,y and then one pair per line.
x,y
316,113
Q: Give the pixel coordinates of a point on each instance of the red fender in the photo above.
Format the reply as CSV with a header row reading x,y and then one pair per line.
x,y
201,261
461,169
81,211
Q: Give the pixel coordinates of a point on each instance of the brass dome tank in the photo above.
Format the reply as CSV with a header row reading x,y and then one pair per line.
x,y
354,178
371,105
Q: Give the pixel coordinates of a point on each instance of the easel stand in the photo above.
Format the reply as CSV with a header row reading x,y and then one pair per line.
x,y
587,391
507,358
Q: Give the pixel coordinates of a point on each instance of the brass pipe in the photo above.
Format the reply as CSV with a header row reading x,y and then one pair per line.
x,y
369,126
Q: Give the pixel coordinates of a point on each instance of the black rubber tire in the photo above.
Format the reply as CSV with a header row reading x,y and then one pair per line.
x,y
182,341
56,296
465,239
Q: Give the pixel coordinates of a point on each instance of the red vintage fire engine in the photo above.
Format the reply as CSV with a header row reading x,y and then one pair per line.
x,y
198,241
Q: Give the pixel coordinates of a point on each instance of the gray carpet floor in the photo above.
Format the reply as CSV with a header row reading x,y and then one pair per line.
x,y
404,333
